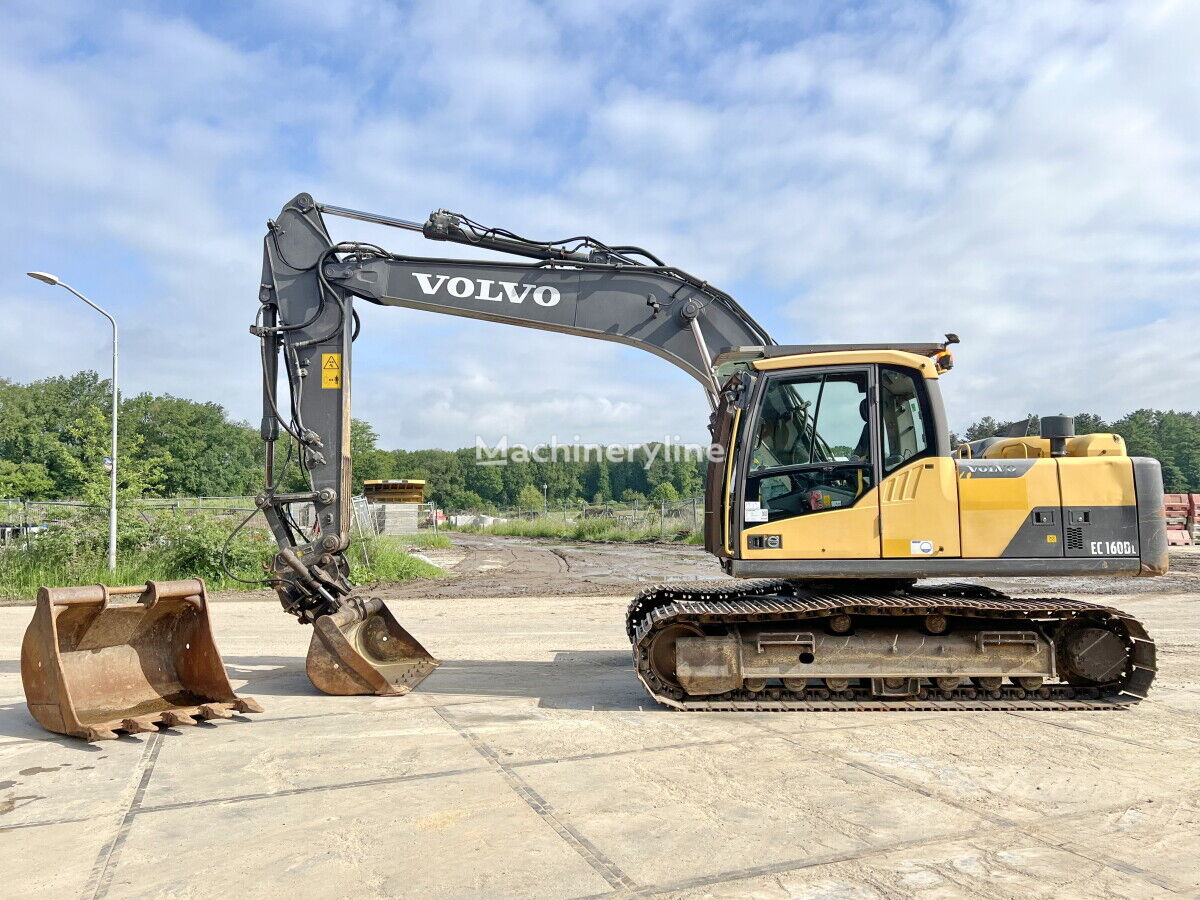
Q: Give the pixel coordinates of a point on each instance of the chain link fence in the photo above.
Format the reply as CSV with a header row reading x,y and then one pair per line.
x,y
21,519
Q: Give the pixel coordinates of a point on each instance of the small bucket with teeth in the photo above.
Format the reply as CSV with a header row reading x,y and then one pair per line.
x,y
362,649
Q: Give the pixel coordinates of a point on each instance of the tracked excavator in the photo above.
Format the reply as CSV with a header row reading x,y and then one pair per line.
x,y
833,493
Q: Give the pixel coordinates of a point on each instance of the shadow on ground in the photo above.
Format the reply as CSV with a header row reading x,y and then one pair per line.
x,y
16,722
574,679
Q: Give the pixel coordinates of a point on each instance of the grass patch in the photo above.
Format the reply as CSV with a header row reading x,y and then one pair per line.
x,y
171,546
174,546
426,540
385,560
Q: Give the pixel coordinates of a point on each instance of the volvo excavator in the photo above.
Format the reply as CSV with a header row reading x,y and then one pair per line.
x,y
833,492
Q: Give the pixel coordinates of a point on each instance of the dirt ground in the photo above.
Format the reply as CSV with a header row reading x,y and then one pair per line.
x,y
490,566
531,764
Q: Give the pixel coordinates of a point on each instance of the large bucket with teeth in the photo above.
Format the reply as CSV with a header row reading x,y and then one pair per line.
x,y
97,660
362,649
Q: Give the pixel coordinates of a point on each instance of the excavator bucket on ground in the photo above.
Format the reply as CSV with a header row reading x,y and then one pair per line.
x,y
362,649
93,666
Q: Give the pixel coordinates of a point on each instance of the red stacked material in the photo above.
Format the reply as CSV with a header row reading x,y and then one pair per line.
x,y
1180,510
1194,517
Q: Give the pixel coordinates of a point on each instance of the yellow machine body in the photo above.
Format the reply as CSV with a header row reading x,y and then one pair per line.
x,y
900,502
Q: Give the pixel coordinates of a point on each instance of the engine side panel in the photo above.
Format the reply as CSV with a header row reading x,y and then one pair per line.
x,y
1009,508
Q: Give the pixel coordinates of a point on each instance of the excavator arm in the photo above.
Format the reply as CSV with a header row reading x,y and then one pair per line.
x,y
307,324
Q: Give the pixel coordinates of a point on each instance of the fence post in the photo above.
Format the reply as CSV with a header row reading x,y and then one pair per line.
x,y
355,514
662,518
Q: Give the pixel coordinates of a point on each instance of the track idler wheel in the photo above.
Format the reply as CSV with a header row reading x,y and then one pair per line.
x,y
1090,654
662,652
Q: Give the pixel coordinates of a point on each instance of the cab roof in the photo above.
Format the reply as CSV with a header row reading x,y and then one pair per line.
x,y
773,351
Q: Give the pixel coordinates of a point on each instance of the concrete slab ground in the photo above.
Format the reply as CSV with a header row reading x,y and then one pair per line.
x,y
532,765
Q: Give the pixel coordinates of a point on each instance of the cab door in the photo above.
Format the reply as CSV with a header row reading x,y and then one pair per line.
x,y
807,460
918,493
719,484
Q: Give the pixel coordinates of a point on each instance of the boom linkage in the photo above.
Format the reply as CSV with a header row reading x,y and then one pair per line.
x,y
306,319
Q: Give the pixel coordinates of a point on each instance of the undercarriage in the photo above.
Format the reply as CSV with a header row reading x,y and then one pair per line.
x,y
782,645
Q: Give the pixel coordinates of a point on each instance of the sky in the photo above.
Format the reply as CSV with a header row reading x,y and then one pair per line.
x,y
1026,175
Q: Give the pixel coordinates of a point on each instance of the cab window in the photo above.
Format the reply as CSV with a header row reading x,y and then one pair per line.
x,y
812,446
903,417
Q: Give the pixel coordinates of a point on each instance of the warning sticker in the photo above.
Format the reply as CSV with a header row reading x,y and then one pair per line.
x,y
920,548
331,370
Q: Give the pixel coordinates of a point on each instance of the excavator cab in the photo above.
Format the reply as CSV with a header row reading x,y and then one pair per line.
x,y
837,464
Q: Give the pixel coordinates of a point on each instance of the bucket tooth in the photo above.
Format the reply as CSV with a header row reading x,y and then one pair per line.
x,y
92,663
215,711
247,705
139,724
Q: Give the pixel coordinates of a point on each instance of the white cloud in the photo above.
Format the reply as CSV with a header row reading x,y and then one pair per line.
x,y
1023,174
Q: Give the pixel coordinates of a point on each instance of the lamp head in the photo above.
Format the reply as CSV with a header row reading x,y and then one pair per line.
x,y
44,276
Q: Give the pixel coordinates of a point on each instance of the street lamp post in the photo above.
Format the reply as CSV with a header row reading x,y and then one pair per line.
x,y
111,463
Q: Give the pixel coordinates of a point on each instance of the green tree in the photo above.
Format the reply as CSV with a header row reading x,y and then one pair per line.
x,y
485,481
687,477
597,481
985,428
24,481
368,462
530,498
664,492
199,450
1089,423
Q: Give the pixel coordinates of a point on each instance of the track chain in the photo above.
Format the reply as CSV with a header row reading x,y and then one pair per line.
x,y
767,600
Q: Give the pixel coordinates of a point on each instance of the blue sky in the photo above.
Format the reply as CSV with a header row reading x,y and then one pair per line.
x,y
1026,175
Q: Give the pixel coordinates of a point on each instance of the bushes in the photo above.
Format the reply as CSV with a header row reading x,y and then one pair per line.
x,y
169,546
192,544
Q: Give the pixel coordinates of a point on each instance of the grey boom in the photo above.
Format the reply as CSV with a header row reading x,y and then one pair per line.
x,y
306,317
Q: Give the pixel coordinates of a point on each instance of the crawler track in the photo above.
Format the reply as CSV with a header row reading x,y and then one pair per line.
x,y
709,606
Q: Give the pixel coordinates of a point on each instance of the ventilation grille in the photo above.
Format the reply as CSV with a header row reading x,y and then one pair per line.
x,y
1074,538
902,487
